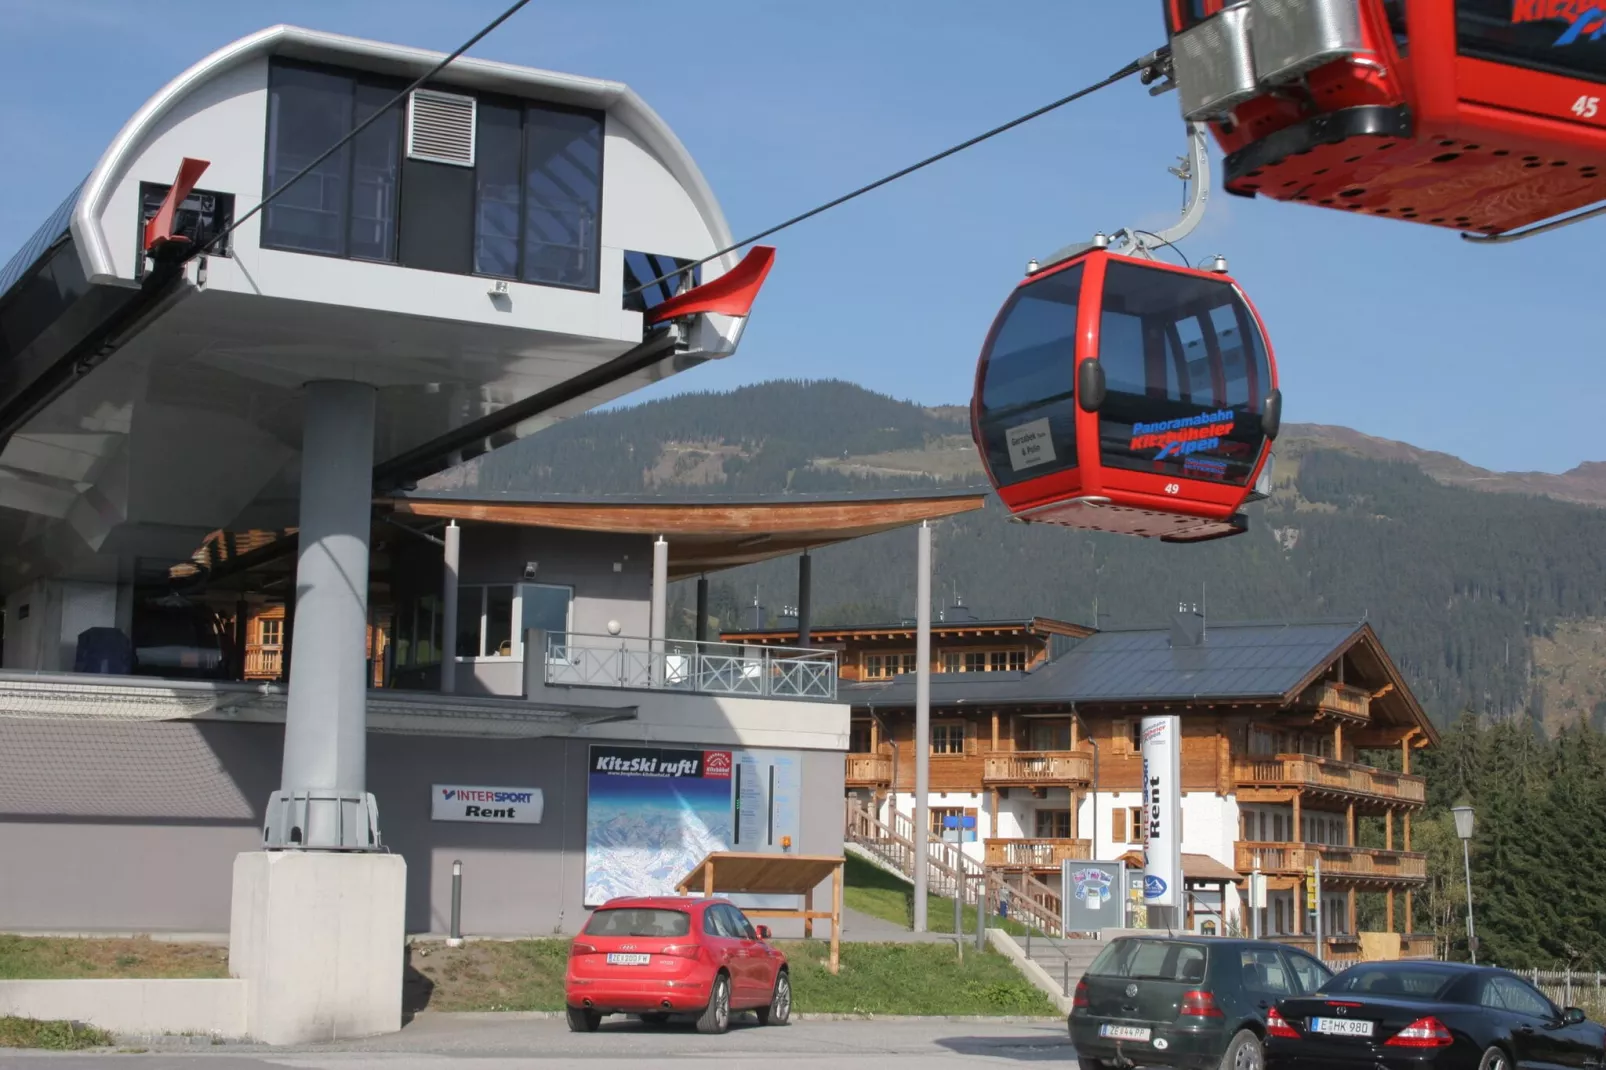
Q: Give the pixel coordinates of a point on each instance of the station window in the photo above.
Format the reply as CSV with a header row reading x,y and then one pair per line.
x,y
530,205
538,194
347,205
492,619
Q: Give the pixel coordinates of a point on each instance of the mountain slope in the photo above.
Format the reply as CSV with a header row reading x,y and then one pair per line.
x,y
1486,599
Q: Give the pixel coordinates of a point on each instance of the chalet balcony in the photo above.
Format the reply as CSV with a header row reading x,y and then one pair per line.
x,y
868,771
1044,854
1348,864
1329,776
1342,700
263,662
1036,769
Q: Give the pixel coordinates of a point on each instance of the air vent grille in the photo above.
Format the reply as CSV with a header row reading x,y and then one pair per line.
x,y
440,127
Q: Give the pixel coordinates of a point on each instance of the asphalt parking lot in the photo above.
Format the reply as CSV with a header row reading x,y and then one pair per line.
x,y
502,1042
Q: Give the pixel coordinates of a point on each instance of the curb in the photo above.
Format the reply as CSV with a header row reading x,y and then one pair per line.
x,y
541,1016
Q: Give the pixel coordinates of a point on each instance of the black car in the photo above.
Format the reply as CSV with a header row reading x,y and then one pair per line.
x,y
1194,1003
1431,1016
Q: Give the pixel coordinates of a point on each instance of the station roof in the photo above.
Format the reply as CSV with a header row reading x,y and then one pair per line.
x,y
705,533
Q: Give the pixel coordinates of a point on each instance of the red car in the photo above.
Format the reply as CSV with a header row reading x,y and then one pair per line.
x,y
665,956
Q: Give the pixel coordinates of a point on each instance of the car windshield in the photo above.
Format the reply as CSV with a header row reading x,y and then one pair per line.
x,y
1394,980
639,921
1151,960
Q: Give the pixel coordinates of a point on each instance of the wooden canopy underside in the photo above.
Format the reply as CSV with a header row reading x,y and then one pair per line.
x,y
707,538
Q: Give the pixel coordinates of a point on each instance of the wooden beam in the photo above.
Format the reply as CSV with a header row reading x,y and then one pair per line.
x,y
1388,836
995,730
1351,822
836,917
1407,830
1351,928
1389,913
1408,914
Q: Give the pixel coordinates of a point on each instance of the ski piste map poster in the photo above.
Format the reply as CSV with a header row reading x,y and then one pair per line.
x,y
653,813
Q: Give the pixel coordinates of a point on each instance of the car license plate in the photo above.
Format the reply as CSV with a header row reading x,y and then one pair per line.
x,y
1341,1027
617,959
1124,1032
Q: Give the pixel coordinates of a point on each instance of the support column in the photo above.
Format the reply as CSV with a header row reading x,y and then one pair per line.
x,y
1407,823
1409,924
1389,913
1298,833
1351,905
1388,831
452,539
1350,825
702,609
316,928
1299,906
805,598
660,608
922,830
242,637
322,793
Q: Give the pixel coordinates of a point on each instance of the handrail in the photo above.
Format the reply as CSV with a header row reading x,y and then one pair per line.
x,y
580,660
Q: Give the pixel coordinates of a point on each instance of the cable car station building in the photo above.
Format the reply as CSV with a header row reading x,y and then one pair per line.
x,y
462,273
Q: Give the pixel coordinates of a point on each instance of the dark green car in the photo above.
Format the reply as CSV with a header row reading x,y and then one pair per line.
x,y
1197,1003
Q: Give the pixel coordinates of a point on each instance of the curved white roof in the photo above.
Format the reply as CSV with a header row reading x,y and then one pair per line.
x,y
613,97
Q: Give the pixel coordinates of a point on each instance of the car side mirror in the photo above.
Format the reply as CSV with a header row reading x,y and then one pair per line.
x,y
763,932
1271,421
1573,1016
1090,385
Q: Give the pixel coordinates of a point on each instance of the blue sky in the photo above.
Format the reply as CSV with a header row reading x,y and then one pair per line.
x,y
1397,330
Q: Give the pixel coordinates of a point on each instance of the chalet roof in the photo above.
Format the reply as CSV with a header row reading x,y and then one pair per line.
x,y
1043,625
1238,661
1241,661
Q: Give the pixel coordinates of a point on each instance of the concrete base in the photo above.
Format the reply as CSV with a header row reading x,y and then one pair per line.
x,y
320,938
206,1007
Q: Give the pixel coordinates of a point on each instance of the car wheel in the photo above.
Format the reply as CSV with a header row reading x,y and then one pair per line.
x,y
716,1017
779,1012
655,1018
583,1021
1494,1059
1244,1053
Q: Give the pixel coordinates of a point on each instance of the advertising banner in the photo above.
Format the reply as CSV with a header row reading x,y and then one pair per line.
x,y
1093,899
1162,811
653,813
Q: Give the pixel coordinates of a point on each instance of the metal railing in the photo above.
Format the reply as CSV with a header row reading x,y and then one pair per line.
x,y
688,665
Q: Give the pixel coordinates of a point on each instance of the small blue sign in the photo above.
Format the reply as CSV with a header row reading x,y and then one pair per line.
x,y
1153,887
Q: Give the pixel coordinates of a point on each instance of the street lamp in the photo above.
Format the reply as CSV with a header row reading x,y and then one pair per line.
x,y
1463,829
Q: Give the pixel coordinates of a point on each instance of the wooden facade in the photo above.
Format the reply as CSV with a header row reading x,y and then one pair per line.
x,y
1303,769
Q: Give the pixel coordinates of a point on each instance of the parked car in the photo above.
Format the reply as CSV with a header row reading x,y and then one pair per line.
x,y
1430,1016
1197,1003
660,957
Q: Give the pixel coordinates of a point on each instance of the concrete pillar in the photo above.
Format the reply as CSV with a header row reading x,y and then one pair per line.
x,y
805,597
922,829
702,609
318,932
325,733
660,607
452,540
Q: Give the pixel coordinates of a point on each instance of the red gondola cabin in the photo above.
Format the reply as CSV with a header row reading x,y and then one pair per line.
x,y
1481,115
1125,395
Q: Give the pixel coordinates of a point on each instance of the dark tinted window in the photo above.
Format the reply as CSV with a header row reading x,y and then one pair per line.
x,y
1187,373
1394,980
1543,35
538,194
637,921
1027,414
346,206
1505,992
1263,970
1153,960
1309,974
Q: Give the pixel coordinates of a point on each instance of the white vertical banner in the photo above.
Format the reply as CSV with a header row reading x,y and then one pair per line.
x,y
1162,811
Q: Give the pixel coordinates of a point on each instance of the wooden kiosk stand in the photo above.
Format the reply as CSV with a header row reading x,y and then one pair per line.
x,y
738,873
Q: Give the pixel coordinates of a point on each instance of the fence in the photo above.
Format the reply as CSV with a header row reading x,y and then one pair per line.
x,y
686,665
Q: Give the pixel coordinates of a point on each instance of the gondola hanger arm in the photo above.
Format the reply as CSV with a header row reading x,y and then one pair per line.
x,y
1195,171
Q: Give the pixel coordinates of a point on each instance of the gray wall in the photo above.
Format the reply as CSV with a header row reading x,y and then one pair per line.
x,y
133,827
